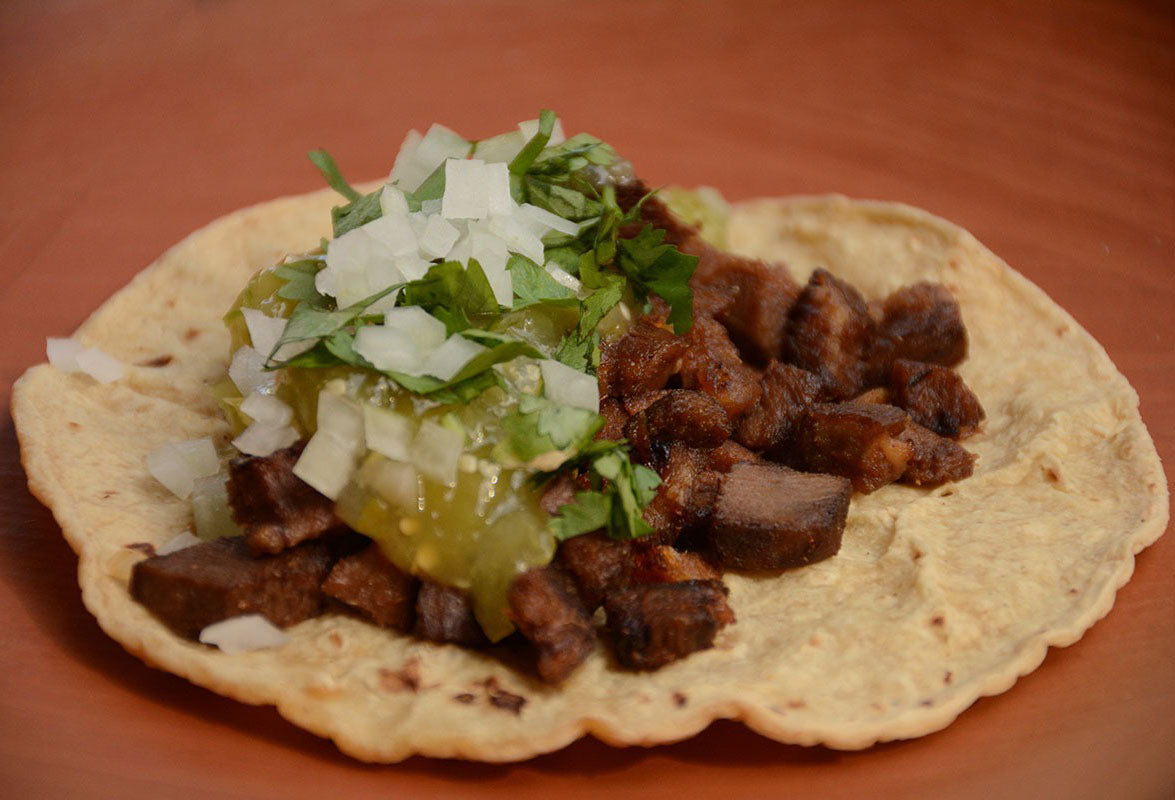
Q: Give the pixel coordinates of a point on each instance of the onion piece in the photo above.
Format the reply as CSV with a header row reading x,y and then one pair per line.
x,y
503,147
569,387
179,542
389,349
392,201
243,633
210,509
395,481
531,126
262,439
177,465
438,237
467,190
388,433
248,374
70,355
100,366
426,331
436,450
268,409
547,220
332,454
448,359
264,330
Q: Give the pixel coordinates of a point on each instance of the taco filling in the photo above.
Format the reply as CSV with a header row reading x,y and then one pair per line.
x,y
517,387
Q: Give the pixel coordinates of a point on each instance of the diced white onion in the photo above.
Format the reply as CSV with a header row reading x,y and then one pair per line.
x,y
503,147
268,409
531,126
99,366
177,465
430,206
264,330
569,387
243,633
361,262
406,172
426,331
438,237
412,267
547,220
497,179
332,454
211,514
395,481
436,450
340,416
181,542
448,359
327,463
247,372
492,254
394,232
440,143
467,190
389,349
388,433
563,277
519,237
392,201
63,353
262,439
70,355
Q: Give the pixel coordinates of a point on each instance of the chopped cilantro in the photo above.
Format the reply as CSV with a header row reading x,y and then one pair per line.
x,y
621,491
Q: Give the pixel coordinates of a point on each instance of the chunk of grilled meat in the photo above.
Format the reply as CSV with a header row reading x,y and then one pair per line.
x,y
769,517
860,441
921,322
936,398
375,587
934,460
274,506
652,625
712,365
829,329
546,608
192,588
769,424
644,359
445,614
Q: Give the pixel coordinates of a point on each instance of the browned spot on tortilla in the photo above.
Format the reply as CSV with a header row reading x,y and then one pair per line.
x,y
500,698
158,361
73,426
190,334
465,698
1061,331
814,640
1073,591
679,699
1051,474
143,547
948,677
938,620
796,704
876,706
947,493
916,554
109,493
926,702
170,302
404,679
335,639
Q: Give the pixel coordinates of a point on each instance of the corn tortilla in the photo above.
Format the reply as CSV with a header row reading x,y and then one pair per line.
x,y
936,598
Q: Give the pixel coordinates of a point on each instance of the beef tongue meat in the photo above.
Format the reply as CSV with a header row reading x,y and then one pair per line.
x,y
769,517
936,398
546,608
276,508
860,441
652,625
192,588
373,586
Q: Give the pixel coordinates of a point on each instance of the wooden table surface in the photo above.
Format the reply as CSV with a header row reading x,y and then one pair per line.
x,y
1047,129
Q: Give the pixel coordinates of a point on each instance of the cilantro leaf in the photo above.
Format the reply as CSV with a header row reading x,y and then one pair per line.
x,y
330,170
618,504
590,511
533,284
452,293
530,151
307,322
576,347
356,213
299,278
661,269
538,427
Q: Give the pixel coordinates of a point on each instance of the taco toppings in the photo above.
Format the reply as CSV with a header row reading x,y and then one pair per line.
x,y
517,387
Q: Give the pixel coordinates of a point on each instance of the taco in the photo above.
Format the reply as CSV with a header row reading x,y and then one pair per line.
x,y
942,589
